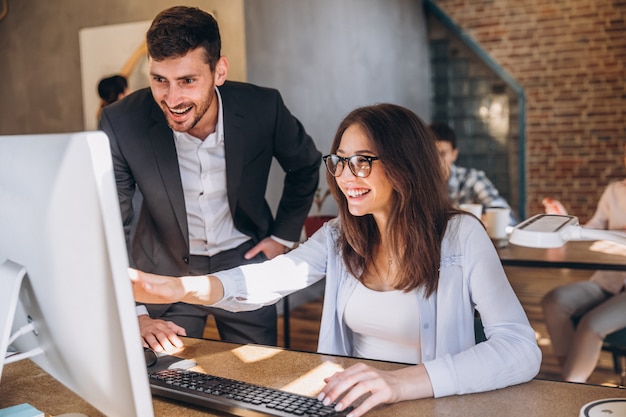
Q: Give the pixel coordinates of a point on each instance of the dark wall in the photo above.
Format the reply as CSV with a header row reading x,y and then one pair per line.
x,y
328,57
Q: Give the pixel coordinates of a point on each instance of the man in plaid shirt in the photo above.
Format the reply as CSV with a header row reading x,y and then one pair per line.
x,y
465,185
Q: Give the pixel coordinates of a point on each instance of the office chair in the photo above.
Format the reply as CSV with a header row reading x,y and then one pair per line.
x,y
616,344
479,331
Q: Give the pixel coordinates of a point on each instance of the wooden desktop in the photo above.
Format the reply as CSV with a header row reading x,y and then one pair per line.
x,y
303,373
591,255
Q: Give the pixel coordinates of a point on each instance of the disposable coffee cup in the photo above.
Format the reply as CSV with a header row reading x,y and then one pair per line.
x,y
496,221
475,209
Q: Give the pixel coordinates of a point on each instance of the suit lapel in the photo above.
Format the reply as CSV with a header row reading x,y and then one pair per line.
x,y
234,145
162,142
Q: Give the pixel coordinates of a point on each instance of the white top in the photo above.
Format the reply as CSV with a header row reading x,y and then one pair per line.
x,y
610,215
471,277
611,210
390,331
203,174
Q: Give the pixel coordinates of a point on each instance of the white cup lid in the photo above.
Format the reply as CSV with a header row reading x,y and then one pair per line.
x,y
604,408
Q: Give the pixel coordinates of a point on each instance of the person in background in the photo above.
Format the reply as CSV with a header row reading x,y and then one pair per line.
x,y
597,305
397,245
199,149
465,185
115,87
552,206
111,89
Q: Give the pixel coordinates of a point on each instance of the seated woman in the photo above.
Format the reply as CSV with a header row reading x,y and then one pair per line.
x,y
404,273
599,305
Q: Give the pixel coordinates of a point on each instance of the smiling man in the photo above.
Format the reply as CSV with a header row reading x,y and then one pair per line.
x,y
199,149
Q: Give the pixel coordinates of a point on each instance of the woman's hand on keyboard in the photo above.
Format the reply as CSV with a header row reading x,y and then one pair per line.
x,y
383,387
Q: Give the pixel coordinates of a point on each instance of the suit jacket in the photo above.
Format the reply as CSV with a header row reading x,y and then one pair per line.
x,y
257,127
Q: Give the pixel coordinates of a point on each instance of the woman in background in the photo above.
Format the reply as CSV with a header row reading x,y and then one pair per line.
x,y
404,273
598,305
115,87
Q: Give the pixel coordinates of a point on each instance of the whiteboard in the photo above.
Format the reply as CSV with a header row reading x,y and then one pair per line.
x,y
103,52
105,49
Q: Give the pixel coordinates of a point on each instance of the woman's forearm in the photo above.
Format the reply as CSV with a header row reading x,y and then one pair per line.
x,y
202,289
161,289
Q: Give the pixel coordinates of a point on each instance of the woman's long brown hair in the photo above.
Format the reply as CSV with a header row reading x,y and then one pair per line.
x,y
420,210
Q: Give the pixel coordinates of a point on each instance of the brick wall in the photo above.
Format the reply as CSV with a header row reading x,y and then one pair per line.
x,y
570,58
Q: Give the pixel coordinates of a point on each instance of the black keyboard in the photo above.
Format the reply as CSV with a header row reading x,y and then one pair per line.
x,y
235,397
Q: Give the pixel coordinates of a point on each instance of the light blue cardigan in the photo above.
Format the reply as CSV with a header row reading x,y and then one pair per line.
x,y
471,277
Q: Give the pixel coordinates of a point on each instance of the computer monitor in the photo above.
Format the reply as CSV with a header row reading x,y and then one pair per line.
x,y
65,297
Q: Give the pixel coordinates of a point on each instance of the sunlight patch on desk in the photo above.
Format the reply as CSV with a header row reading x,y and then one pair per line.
x,y
251,354
312,382
609,247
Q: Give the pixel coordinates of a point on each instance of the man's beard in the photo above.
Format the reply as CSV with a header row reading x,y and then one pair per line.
x,y
188,124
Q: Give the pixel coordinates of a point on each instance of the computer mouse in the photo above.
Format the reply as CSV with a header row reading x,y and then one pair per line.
x,y
151,356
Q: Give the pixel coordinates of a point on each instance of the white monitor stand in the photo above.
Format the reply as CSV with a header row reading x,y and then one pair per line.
x,y
66,301
11,280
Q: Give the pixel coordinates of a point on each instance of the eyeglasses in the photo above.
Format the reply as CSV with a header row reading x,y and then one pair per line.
x,y
360,165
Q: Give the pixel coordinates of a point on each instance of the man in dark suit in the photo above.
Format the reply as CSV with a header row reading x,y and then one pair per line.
x,y
199,150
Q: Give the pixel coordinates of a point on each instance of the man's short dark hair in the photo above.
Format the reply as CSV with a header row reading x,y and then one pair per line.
x,y
444,132
178,30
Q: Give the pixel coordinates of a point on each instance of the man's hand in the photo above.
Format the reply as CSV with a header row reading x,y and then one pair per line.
x,y
160,335
269,247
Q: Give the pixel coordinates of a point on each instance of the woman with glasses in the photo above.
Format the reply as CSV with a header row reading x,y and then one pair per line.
x,y
404,273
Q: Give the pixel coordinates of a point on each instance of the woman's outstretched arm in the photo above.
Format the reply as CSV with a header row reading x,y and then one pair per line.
x,y
160,289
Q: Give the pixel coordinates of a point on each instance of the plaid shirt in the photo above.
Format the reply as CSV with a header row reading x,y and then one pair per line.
x,y
469,185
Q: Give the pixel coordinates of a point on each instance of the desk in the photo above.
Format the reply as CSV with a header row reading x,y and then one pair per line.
x,y
578,255
303,373
574,255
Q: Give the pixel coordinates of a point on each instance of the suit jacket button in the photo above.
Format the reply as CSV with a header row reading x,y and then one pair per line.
x,y
186,259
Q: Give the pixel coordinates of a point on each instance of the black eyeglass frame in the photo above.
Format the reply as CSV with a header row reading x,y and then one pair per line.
x,y
352,166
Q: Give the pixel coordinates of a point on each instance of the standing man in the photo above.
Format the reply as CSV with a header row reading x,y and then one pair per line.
x,y
199,149
465,185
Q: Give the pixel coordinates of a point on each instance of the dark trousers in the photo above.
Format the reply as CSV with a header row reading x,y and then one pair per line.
x,y
258,326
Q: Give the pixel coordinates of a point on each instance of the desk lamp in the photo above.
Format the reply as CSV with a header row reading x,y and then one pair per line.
x,y
553,231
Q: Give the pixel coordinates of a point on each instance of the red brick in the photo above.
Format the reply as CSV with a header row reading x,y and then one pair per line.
x,y
570,58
